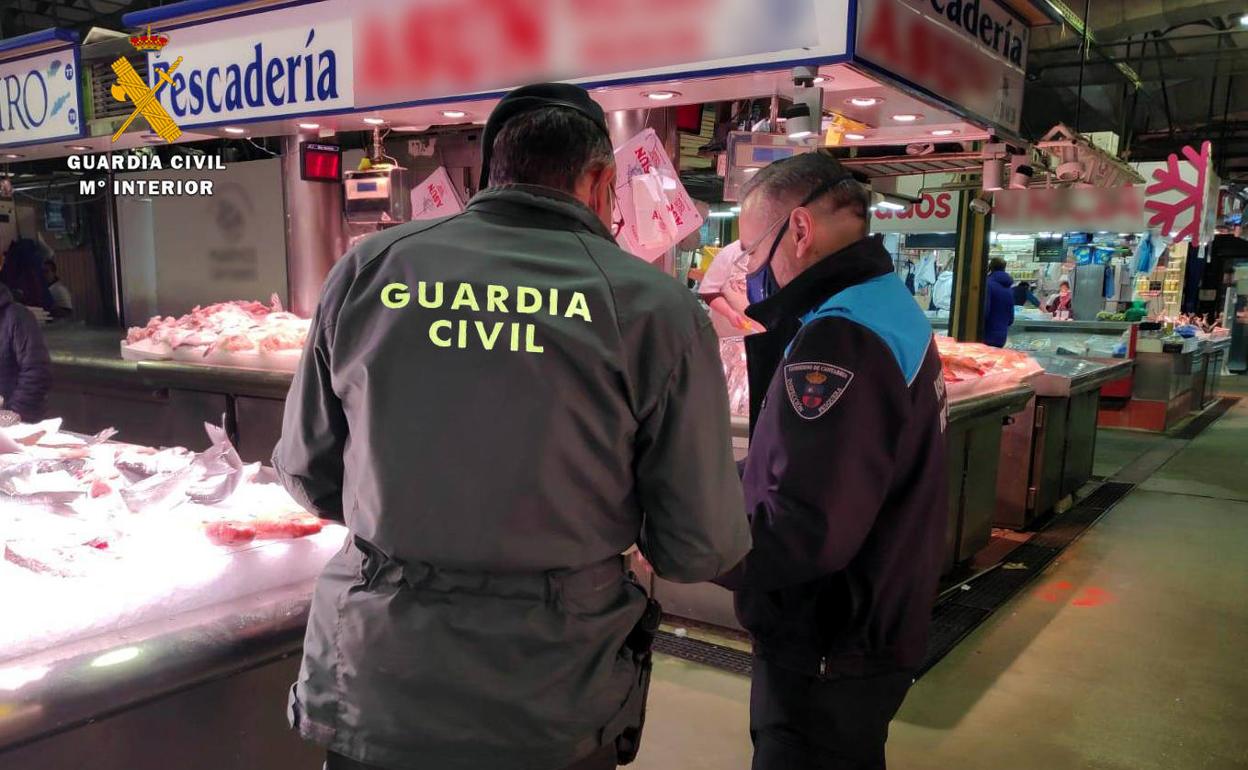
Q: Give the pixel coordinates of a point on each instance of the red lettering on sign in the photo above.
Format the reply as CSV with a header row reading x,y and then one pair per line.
x,y
944,206
640,154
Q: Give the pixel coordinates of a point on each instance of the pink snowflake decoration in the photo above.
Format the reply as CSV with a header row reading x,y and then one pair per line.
x,y
1169,178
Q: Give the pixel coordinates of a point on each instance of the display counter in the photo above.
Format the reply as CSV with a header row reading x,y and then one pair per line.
x,y
1161,395
974,442
1207,368
154,603
1048,450
161,403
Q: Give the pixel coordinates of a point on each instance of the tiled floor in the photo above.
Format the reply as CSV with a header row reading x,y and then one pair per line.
x,y
1128,653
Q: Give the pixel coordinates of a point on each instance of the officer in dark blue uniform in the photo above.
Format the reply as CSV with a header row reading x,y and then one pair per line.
x,y
845,482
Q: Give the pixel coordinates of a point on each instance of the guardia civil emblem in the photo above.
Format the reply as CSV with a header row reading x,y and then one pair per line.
x,y
814,388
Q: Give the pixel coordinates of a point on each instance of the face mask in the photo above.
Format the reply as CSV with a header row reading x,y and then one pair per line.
x,y
763,281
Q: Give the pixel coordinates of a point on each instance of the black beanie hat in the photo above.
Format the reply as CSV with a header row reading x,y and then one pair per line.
x,y
535,97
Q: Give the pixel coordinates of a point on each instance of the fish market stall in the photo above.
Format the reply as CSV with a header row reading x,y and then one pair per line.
x,y
1047,451
986,387
1207,371
155,600
1162,389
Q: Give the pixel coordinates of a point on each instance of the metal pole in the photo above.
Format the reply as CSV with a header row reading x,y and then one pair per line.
x,y
1083,60
114,248
314,230
970,270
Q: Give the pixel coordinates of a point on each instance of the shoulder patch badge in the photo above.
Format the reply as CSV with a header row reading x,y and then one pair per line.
x,y
814,388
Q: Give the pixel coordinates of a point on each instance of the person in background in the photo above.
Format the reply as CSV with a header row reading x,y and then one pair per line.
x,y
845,480
1060,304
723,287
62,301
1023,294
998,304
481,614
25,367
23,273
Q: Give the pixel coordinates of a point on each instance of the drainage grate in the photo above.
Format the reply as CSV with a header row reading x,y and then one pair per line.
x,y
1205,419
1106,496
996,587
706,653
951,622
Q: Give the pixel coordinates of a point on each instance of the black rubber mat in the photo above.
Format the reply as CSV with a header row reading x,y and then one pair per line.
x,y
1205,419
706,653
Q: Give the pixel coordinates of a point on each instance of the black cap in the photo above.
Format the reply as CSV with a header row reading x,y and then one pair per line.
x,y
535,97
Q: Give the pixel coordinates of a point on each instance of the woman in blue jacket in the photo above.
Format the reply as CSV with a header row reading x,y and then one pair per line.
x,y
999,304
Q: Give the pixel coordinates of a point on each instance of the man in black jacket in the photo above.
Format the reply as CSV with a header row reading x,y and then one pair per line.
x,y
499,404
845,482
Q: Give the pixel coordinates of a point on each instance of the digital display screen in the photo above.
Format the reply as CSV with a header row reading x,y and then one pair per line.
x,y
366,186
320,162
771,154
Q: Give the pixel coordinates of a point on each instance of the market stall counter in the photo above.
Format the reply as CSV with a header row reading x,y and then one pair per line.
x,y
155,600
1048,450
1207,371
981,403
1162,391
161,402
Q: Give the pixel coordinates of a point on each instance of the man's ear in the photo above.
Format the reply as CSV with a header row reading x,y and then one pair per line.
x,y
802,227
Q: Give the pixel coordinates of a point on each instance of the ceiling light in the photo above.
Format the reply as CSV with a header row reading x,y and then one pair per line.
x,y
722,215
735,209
309,126
375,121
750,170
1243,20
234,130
943,132
855,137
11,155
888,205
820,79
906,117
661,96
864,101
454,114
412,129
79,147
115,657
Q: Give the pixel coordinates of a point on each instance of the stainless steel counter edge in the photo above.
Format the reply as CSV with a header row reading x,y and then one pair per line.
x,y
155,375
1004,401
998,402
90,679
1057,385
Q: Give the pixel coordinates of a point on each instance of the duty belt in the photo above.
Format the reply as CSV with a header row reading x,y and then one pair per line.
x,y
378,569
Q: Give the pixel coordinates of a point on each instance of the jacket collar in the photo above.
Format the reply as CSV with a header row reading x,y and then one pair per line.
x,y
546,200
858,262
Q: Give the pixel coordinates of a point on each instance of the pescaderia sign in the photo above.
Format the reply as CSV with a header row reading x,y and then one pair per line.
x,y
284,62
40,98
971,53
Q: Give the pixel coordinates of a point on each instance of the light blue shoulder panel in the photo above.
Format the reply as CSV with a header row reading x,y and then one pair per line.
x,y
884,306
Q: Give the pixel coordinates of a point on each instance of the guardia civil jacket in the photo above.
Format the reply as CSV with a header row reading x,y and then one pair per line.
x,y
846,480
498,404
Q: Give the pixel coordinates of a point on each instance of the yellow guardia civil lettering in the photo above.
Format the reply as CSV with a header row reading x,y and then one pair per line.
x,y
487,334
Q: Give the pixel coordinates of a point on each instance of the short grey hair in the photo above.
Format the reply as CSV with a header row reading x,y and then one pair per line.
x,y
551,146
789,181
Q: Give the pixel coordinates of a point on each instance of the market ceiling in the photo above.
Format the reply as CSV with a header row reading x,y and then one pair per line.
x,y
1189,58
1160,73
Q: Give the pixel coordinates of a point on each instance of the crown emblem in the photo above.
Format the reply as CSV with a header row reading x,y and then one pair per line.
x,y
816,378
149,42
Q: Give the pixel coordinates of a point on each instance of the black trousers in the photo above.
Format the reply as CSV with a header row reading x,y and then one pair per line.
x,y
800,722
603,759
